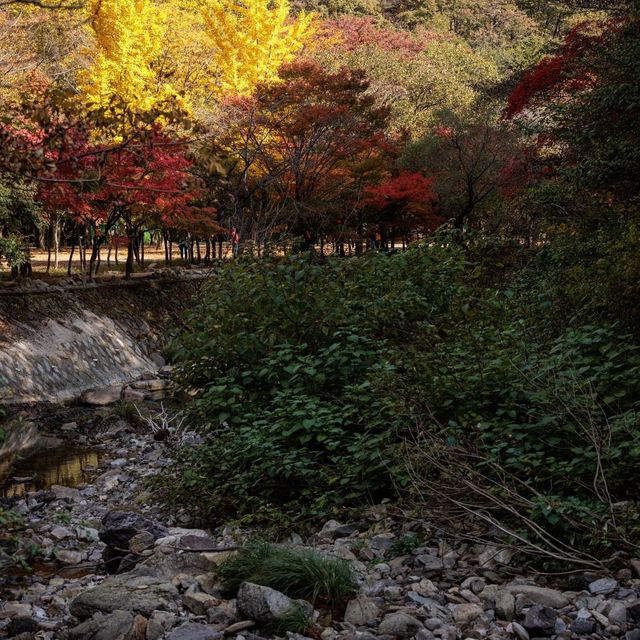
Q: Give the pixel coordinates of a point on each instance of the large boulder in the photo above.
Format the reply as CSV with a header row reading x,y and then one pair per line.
x,y
139,594
263,604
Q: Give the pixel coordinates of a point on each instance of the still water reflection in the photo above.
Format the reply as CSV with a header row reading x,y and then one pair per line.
x,y
60,465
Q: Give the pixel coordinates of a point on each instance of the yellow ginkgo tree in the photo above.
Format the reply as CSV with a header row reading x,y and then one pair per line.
x,y
128,41
251,39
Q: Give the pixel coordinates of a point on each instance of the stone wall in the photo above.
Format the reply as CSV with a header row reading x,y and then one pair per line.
x,y
57,342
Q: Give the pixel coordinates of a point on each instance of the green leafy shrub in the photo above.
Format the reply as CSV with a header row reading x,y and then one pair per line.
x,y
288,361
298,573
308,379
547,423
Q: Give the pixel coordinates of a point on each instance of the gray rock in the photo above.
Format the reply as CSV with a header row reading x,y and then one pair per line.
x,y
60,533
118,527
505,605
22,625
101,397
361,610
198,602
539,595
520,631
68,556
140,594
194,631
431,564
540,621
159,623
167,565
114,626
474,583
603,586
633,610
141,541
465,614
583,626
617,613
263,604
400,625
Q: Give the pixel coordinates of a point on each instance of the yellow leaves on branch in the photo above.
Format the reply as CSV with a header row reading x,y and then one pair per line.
x,y
144,49
128,36
252,39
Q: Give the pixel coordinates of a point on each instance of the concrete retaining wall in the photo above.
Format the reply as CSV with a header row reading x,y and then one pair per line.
x,y
54,344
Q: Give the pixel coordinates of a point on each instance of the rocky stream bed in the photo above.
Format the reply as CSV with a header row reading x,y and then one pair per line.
x,y
114,566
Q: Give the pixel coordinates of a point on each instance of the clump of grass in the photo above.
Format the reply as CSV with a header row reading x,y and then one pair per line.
x,y
294,619
298,573
124,409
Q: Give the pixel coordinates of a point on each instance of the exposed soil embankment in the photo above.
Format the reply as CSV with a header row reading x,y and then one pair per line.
x,y
57,342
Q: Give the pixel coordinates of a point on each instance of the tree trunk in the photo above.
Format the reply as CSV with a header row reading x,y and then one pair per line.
x,y
73,248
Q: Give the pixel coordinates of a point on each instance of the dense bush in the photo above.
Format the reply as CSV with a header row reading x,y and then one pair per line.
x,y
312,381
288,360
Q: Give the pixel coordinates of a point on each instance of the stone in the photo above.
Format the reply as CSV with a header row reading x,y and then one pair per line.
x,y
519,631
603,586
382,542
141,542
15,610
432,564
132,395
114,626
617,613
65,493
361,610
101,397
635,566
400,625
239,626
493,556
601,619
167,565
540,621
539,595
159,623
465,614
140,594
194,631
633,610
583,626
634,634
198,602
60,533
156,384
263,604
67,556
22,625
118,527
474,583
505,605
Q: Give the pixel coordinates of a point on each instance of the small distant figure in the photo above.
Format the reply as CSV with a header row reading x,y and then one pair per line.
x,y
235,242
182,245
